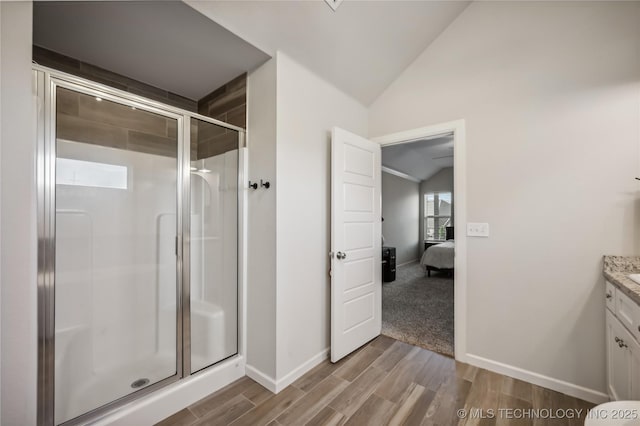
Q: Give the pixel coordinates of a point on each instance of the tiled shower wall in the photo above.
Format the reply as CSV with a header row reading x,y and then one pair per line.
x,y
69,65
229,104
82,121
83,118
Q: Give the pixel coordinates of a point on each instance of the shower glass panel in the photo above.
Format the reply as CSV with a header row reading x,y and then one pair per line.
x,y
115,259
213,244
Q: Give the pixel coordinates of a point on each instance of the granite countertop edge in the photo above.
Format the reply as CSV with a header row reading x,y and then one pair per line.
x,y
616,270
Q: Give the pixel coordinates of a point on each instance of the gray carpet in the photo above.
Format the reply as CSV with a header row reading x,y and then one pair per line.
x,y
419,310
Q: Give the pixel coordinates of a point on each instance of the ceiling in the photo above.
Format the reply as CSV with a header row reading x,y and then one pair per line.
x,y
166,44
419,159
361,47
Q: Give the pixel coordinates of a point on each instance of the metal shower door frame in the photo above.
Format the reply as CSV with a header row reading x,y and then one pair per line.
x,y
46,82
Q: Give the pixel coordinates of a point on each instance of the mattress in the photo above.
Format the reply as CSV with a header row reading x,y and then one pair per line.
x,y
439,256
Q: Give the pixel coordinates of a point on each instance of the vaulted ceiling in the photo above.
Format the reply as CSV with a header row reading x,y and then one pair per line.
x,y
360,48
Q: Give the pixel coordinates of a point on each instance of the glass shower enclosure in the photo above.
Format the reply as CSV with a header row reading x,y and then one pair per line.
x,y
138,245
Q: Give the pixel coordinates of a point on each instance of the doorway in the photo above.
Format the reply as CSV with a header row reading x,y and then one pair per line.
x,y
430,273
419,244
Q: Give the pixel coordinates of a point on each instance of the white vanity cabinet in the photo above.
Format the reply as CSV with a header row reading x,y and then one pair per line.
x,y
623,349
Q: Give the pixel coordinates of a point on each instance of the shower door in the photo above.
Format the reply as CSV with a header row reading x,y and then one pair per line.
x,y
116,226
138,259
211,325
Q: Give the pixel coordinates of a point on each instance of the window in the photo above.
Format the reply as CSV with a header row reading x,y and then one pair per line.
x,y
88,173
437,215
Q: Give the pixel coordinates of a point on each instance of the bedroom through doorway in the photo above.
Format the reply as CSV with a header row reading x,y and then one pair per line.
x,y
419,242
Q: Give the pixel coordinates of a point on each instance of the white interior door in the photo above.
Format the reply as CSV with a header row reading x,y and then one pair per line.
x,y
356,246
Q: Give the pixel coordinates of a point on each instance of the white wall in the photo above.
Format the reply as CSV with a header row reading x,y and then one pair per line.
x,y
261,233
401,213
308,107
1,119
1,134
18,223
442,181
551,97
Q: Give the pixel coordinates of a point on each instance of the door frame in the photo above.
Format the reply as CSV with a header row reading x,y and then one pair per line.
x,y
456,127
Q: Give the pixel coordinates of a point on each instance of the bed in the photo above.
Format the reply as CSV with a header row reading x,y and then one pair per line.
x,y
440,257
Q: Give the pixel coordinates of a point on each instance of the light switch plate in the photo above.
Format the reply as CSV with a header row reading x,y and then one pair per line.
x,y
477,229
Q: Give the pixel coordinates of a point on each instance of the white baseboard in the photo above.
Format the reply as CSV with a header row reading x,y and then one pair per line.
x,y
276,386
163,403
561,386
406,263
299,371
262,378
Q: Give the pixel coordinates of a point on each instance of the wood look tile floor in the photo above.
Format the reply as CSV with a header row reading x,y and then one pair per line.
x,y
386,382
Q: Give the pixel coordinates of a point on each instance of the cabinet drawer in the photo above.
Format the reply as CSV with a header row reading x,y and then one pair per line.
x,y
628,313
610,296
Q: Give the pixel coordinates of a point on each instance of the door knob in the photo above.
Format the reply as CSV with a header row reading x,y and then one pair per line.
x,y
341,255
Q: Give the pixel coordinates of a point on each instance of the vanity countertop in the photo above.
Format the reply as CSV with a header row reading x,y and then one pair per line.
x,y
616,271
